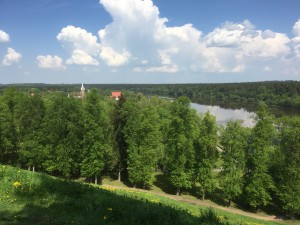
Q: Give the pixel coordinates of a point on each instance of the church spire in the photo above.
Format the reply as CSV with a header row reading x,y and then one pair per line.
x,y
82,91
82,87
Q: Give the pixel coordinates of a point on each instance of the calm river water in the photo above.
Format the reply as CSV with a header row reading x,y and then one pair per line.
x,y
223,115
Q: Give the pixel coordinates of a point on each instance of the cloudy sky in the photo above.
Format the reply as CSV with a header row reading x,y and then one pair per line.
x,y
149,41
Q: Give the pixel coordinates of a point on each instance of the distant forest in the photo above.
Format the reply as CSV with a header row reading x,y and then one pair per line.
x,y
283,94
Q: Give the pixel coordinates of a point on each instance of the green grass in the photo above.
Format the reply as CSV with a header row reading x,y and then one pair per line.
x,y
41,199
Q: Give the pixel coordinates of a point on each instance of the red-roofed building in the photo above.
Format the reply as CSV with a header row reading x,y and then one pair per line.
x,y
116,95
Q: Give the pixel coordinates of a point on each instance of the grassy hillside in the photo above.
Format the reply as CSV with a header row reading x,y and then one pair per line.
x,y
34,198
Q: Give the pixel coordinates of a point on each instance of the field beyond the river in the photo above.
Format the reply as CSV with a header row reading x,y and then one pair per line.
x,y
35,198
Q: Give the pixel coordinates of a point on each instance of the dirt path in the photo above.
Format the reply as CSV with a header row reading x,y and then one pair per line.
x,y
272,218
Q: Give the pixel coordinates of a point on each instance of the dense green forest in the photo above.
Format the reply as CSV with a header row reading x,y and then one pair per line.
x,y
137,136
282,94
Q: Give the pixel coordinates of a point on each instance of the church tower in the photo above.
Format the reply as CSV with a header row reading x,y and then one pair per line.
x,y
82,91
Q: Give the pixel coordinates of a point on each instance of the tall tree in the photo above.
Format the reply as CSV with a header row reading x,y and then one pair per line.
x,y
234,142
64,129
259,183
30,125
12,98
143,137
120,146
180,147
97,136
163,109
287,168
5,138
206,153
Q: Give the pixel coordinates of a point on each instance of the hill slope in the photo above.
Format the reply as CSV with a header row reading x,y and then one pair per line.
x,y
34,198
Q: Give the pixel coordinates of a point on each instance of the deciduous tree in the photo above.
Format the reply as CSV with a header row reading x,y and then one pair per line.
x,y
180,148
206,153
234,142
259,183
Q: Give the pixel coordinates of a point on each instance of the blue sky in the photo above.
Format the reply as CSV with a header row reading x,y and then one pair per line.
x,y
150,41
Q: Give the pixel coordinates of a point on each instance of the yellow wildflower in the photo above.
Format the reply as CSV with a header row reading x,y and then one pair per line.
x,y
17,184
109,209
221,218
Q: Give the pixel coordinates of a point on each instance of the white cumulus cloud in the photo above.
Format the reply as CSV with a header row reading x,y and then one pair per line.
x,y
296,28
4,37
80,57
82,44
234,47
137,32
113,58
296,39
11,57
50,62
140,38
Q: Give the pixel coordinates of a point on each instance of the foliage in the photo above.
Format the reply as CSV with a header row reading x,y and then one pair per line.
x,y
206,153
63,139
234,141
180,150
259,182
31,130
136,136
97,136
143,138
287,166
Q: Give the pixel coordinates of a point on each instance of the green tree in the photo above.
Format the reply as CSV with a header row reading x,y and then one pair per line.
x,y
63,136
5,139
259,183
12,98
120,146
97,136
234,142
206,153
143,138
287,168
163,109
30,127
180,146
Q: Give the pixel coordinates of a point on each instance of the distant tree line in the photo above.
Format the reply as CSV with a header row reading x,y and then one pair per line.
x,y
137,137
285,94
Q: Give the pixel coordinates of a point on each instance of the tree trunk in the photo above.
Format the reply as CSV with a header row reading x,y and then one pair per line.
x,y
178,191
203,195
96,179
229,202
29,168
33,168
119,173
144,185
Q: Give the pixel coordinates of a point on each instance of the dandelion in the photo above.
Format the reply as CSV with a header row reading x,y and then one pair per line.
x,y
154,201
17,184
221,218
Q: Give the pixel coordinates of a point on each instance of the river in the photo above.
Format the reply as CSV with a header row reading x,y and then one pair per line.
x,y
224,115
